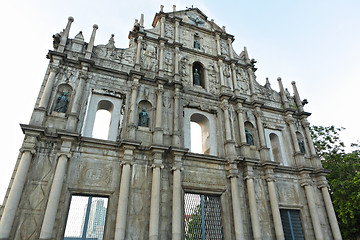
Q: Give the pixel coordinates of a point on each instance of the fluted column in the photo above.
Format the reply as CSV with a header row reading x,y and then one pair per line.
x,y
306,183
138,50
121,216
255,222
239,111
16,190
176,35
176,132
162,26
229,143
251,83
218,48
220,65
306,125
161,58
331,213
54,197
158,137
274,204
234,80
230,48
133,103
177,196
155,196
76,103
258,114
235,198
290,121
45,97
176,61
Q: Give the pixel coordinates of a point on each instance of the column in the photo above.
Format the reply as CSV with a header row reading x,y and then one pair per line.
x,y
138,50
229,143
161,58
132,117
158,116
331,212
76,103
230,48
251,83
14,197
162,26
279,232
235,198
241,123
306,183
54,197
234,80
255,223
290,121
121,215
45,98
258,114
176,61
176,207
177,38
217,38
155,196
220,64
176,132
306,125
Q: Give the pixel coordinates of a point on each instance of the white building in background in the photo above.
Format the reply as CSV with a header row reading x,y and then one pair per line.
x,y
258,172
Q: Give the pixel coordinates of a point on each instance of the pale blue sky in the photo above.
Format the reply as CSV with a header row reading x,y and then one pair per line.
x,y
315,43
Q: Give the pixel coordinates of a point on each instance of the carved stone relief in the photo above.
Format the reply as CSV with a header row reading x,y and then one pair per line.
x,y
224,48
213,81
150,57
242,80
185,70
169,31
168,61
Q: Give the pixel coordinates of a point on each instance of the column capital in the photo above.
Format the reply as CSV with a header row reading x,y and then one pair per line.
x,y
248,177
126,162
258,113
54,68
157,165
60,154
175,168
289,119
224,105
27,149
305,123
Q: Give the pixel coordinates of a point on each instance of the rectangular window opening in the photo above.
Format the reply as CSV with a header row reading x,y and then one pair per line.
x,y
202,215
292,226
86,218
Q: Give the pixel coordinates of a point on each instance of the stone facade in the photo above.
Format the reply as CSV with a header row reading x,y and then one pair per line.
x,y
257,153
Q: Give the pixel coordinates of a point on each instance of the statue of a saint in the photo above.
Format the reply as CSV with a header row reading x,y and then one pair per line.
x,y
301,146
143,118
196,44
249,138
61,103
197,78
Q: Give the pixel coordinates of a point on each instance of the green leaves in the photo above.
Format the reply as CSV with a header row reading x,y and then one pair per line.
x,y
344,179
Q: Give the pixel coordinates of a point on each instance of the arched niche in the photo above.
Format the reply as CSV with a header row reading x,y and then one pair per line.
x,y
198,74
274,141
207,123
62,99
145,106
101,102
301,142
249,129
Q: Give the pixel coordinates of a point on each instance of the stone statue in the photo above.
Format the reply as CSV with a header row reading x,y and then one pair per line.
x,y
197,78
249,138
196,44
301,146
143,118
61,103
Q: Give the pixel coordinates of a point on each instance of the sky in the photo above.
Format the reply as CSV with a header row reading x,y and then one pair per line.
x,y
314,43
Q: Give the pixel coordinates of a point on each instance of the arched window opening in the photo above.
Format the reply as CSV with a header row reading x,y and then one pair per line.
x,y
102,124
102,120
300,142
200,138
198,74
276,148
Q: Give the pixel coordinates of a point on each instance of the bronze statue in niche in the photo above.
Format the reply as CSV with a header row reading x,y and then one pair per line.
x,y
144,118
62,103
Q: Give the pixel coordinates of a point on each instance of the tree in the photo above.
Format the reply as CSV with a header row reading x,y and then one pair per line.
x,y
344,178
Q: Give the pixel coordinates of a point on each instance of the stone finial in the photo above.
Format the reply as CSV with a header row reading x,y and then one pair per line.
x,y
95,26
174,8
65,35
161,8
71,19
91,42
142,20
